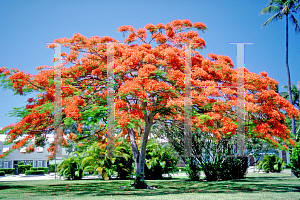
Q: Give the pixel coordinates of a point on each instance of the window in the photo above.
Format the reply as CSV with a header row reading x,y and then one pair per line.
x,y
5,148
40,150
40,164
5,166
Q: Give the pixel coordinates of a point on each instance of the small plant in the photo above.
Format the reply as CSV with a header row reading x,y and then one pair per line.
x,y
2,173
295,160
271,163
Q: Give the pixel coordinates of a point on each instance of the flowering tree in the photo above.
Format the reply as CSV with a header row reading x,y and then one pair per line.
x,y
149,85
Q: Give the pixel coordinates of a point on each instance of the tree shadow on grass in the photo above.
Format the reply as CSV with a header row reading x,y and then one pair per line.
x,y
87,188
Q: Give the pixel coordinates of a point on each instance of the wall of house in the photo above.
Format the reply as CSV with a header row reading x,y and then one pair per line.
x,y
38,157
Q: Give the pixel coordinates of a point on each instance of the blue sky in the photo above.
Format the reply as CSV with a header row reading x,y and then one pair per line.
x,y
26,25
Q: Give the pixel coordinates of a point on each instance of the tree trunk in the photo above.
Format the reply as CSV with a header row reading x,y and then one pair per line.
x,y
134,147
288,70
140,156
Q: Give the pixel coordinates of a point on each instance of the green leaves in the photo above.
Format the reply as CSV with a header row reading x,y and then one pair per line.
x,y
20,112
204,118
68,121
159,160
271,163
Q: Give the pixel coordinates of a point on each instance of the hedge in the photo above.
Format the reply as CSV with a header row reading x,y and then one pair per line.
x,y
2,173
9,170
45,169
32,172
23,168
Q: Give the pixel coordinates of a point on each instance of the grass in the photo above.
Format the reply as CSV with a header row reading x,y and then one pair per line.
x,y
254,186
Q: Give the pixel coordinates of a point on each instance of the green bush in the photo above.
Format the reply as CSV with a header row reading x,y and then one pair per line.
x,y
23,168
271,163
192,169
9,170
234,168
96,161
288,166
52,167
230,168
211,170
35,172
70,168
123,165
295,160
160,160
40,168
2,173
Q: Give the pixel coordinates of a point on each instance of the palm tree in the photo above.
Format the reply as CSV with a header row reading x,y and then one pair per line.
x,y
70,167
283,8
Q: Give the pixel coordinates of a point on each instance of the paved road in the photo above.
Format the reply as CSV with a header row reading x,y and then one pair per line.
x,y
51,176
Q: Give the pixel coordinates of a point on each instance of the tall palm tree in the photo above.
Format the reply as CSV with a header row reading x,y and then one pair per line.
x,y
282,8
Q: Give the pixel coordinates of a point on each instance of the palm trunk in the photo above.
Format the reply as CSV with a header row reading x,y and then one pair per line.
x,y
288,70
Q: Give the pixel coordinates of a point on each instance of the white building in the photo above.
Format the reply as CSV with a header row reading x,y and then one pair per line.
x,y
38,158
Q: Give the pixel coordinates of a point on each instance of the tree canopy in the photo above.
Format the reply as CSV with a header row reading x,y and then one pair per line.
x,y
149,86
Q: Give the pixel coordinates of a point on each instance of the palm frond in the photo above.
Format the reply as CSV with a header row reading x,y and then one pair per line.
x,y
270,9
273,18
295,22
296,8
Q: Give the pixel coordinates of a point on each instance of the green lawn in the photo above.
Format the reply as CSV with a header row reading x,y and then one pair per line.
x,y
255,186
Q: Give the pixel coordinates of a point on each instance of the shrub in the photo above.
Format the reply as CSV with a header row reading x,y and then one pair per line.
x,y
52,167
35,172
159,160
123,164
192,169
9,170
23,168
211,171
70,168
2,173
230,168
234,168
295,160
288,166
40,168
271,163
96,160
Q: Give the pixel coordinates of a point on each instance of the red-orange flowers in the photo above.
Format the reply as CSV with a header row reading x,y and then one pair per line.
x,y
149,84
